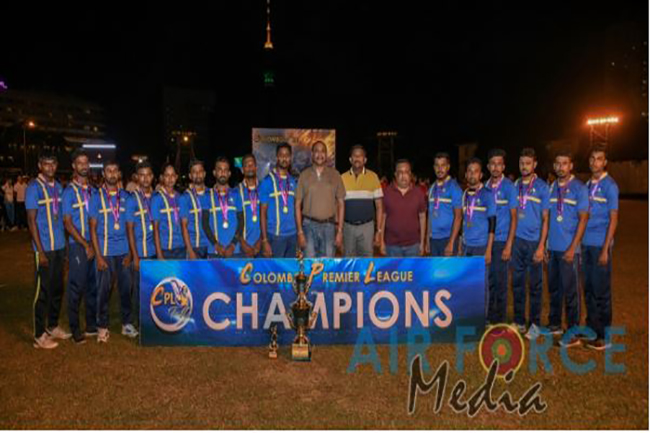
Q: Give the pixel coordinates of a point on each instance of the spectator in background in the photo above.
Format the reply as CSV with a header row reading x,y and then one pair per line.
x,y
8,193
132,186
21,214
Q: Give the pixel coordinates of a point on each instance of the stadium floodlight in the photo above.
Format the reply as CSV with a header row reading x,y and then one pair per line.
x,y
602,121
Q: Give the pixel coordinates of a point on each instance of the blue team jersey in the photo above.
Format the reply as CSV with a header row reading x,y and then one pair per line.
x,y
505,198
533,201
281,219
192,204
223,218
476,226
247,201
109,210
443,199
166,211
138,212
564,213
76,205
603,198
46,200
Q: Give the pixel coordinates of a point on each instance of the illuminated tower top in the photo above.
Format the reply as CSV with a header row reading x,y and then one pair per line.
x,y
268,45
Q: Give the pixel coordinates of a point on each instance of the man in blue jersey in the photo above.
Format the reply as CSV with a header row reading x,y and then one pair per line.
x,y
166,211
277,216
597,247
505,199
139,226
569,211
247,201
194,200
220,217
81,256
108,234
45,222
530,241
479,219
445,209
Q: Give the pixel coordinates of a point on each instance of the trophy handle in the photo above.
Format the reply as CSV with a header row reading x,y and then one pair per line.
x,y
290,317
312,319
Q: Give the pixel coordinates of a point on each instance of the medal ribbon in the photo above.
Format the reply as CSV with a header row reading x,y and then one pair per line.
x,y
115,208
223,204
523,196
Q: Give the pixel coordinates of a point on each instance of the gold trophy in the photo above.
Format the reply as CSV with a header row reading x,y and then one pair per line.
x,y
273,347
301,317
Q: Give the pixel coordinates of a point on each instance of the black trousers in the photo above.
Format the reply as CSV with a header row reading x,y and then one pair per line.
x,y
49,291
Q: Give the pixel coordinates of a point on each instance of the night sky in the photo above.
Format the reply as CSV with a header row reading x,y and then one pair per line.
x,y
440,73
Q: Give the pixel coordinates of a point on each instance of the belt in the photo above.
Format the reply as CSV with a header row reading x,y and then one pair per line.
x,y
359,223
328,220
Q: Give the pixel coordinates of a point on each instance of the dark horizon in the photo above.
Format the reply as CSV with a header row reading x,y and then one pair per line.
x,y
440,74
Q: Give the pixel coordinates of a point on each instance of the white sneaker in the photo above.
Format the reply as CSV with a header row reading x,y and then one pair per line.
x,y
130,331
45,342
59,333
102,335
14,229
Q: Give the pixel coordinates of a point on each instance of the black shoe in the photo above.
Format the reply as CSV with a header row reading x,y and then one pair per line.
x,y
78,338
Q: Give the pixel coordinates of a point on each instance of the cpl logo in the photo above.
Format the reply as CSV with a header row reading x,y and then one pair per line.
x,y
503,343
171,305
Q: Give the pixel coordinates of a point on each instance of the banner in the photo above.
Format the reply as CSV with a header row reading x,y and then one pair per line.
x,y
266,140
233,302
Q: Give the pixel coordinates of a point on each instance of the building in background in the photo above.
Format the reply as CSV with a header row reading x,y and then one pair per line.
x,y
31,122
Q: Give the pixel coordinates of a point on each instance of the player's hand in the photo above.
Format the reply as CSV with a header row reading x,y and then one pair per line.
x,y
449,250
568,255
127,261
228,252
90,252
603,258
506,254
377,241
302,241
266,249
191,254
382,249
101,264
136,264
43,262
488,257
539,256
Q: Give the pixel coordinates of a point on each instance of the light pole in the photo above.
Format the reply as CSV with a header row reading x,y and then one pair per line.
x,y
31,125
599,129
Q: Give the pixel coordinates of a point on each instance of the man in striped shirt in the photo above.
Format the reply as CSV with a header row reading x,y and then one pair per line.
x,y
363,206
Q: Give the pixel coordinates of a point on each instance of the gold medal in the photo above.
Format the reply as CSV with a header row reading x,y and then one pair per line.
x,y
254,218
116,226
522,215
559,218
225,224
150,227
285,209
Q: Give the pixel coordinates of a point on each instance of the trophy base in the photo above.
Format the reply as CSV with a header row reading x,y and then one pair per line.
x,y
273,355
301,352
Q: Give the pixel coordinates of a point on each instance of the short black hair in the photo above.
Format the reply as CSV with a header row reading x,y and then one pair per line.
x,y
221,159
247,156
194,162
77,153
474,160
111,162
47,155
281,146
165,166
142,165
598,148
441,155
528,152
496,152
564,152
403,161
358,147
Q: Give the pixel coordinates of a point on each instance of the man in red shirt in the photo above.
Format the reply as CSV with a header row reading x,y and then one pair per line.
x,y
403,227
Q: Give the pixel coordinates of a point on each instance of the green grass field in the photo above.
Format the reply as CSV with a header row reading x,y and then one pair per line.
x,y
121,385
